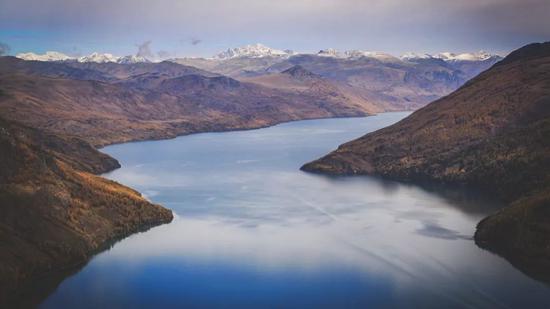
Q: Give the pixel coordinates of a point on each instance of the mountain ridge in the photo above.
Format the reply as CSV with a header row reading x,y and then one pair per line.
x,y
106,103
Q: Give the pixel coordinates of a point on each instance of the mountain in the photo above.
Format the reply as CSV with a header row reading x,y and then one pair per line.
x,y
106,103
93,57
99,58
379,79
450,57
235,67
492,133
330,52
297,78
380,56
55,213
48,56
132,59
479,56
390,84
252,51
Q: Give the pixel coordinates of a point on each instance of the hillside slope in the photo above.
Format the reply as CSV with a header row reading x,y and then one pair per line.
x,y
492,133
54,212
149,101
298,79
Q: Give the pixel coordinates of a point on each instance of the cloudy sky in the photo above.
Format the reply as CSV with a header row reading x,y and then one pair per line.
x,y
204,27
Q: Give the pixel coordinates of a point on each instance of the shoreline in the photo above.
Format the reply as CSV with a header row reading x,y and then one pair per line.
x,y
99,147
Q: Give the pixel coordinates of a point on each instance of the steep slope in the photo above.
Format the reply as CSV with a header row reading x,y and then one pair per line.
x,y
54,212
148,101
493,133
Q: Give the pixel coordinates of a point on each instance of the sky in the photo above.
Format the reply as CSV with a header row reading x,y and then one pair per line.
x,y
176,28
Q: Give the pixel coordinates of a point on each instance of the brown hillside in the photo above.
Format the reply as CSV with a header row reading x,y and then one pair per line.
x,y
169,100
54,212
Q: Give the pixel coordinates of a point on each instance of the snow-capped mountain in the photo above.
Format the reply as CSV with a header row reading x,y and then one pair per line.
x,y
450,57
93,57
385,57
252,51
132,59
479,56
99,58
331,52
413,56
354,54
48,56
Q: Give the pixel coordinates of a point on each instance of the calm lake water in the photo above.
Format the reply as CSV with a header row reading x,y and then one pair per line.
x,y
252,230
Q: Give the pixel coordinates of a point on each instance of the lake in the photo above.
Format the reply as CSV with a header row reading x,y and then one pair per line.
x,y
252,230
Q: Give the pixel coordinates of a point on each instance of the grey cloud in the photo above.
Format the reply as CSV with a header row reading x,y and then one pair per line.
x,y
144,50
4,49
195,41
306,25
162,54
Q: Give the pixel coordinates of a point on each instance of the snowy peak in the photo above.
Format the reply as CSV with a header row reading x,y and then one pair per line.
x,y
413,56
355,54
98,58
451,57
252,51
48,56
331,52
479,56
132,59
94,57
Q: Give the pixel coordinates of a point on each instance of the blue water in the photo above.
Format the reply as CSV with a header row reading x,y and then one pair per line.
x,y
251,230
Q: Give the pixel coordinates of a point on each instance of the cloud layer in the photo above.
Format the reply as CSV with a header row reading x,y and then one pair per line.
x,y
307,25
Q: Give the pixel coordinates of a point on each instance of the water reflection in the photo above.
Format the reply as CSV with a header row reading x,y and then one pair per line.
x,y
252,230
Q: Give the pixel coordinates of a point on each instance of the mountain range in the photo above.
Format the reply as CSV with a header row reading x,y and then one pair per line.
x,y
93,57
379,80
259,51
106,103
383,81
